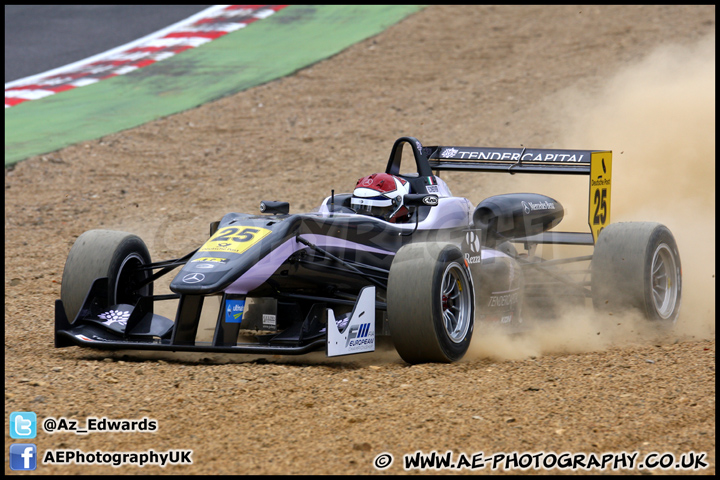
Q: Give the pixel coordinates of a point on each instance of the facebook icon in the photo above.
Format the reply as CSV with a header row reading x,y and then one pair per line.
x,y
23,456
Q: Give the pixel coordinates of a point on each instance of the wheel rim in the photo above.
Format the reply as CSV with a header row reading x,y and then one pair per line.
x,y
127,269
456,302
664,282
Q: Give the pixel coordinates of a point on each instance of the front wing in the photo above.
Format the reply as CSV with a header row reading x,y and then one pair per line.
x,y
136,327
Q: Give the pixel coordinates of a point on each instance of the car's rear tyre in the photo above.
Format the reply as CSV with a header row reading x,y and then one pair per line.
x,y
430,303
104,253
636,265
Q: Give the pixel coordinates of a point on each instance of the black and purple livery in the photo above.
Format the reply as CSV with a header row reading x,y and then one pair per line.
x,y
336,280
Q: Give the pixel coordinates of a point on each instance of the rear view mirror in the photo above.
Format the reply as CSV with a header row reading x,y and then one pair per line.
x,y
420,199
275,207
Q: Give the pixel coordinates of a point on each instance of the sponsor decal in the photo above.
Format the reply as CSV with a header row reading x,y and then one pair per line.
x,y
505,300
483,254
358,328
94,338
269,320
473,241
431,201
497,319
448,152
210,259
115,316
545,157
359,335
193,278
234,310
473,259
433,189
530,206
205,266
379,183
600,192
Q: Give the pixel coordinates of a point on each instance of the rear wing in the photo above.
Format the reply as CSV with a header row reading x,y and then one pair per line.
x,y
511,160
597,164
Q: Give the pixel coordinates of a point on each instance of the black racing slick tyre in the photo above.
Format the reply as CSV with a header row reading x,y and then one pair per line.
x,y
430,303
636,265
104,253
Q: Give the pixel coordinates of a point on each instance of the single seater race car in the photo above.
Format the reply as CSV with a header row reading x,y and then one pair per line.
x,y
399,257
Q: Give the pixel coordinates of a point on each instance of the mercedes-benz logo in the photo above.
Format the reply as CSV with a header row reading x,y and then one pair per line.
x,y
193,278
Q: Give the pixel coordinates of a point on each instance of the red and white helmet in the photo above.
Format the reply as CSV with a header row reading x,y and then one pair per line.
x,y
381,195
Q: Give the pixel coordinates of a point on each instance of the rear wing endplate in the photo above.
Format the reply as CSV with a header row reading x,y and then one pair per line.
x,y
597,164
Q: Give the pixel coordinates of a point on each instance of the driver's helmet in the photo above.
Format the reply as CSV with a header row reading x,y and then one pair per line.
x,y
381,195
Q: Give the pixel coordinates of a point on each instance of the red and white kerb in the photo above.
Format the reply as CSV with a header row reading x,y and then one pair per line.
x,y
197,30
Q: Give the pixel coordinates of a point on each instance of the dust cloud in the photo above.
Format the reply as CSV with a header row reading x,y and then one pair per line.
x,y
658,118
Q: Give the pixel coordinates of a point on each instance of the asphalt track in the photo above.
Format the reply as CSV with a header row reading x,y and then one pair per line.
x,y
291,39
39,38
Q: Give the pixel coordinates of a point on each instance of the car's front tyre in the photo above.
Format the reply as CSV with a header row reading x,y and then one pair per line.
x,y
104,253
431,303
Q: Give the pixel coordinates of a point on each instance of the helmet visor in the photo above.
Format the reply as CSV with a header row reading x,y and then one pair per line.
x,y
375,206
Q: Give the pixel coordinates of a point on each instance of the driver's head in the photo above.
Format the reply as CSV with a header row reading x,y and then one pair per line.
x,y
381,195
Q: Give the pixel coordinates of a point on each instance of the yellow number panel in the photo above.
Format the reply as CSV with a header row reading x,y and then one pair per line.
x,y
235,239
600,185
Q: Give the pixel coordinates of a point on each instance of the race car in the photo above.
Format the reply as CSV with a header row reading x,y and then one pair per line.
x,y
398,257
